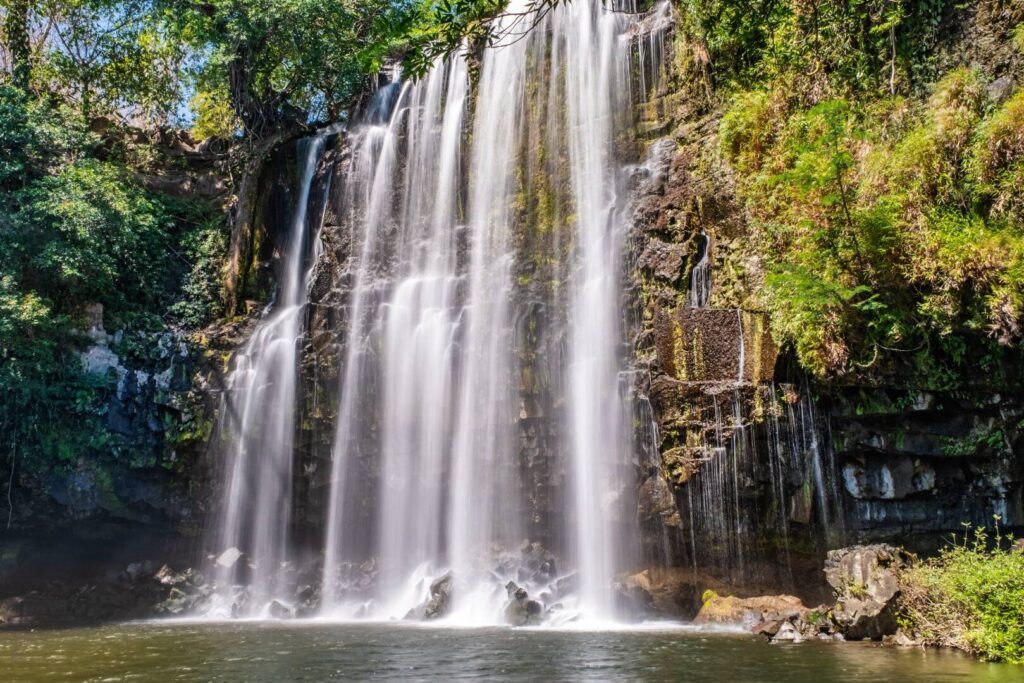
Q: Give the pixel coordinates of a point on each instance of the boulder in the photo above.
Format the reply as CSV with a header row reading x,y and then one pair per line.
x,y
667,592
228,558
657,504
279,610
750,612
440,597
436,606
787,632
866,583
521,610
169,577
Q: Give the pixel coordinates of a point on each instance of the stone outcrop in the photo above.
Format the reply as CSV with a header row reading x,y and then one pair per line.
x,y
521,610
866,582
749,612
139,591
436,606
714,345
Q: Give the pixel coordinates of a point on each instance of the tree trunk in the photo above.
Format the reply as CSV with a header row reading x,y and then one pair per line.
x,y
17,39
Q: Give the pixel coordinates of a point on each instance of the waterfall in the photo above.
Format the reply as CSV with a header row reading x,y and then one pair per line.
x,y
594,69
472,219
403,317
258,414
700,278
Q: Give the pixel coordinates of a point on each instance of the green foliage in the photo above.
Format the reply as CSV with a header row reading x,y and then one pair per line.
x,y
853,46
971,597
76,230
214,117
107,57
35,137
49,407
280,60
205,247
997,163
889,230
88,233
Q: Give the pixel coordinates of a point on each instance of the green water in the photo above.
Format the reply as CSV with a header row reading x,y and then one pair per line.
x,y
320,652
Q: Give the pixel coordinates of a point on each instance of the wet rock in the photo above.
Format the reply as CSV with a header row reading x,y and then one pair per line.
x,y
749,612
663,259
657,502
279,610
787,633
667,592
521,610
169,577
440,597
866,582
900,639
436,606
228,558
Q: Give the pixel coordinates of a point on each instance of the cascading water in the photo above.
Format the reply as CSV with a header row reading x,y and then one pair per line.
x,y
433,370
259,415
700,278
595,68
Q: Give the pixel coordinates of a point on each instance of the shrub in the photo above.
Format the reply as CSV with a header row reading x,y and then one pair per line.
x,y
971,597
891,230
88,233
997,163
748,129
206,247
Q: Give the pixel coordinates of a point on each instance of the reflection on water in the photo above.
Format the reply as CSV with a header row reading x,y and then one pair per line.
x,y
317,652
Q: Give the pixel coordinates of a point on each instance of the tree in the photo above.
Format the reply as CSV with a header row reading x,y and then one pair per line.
x,y
112,56
16,37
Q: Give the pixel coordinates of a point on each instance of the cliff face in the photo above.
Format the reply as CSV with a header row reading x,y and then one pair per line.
x,y
760,467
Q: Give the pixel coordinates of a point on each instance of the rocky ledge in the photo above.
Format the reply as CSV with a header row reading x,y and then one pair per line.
x,y
865,580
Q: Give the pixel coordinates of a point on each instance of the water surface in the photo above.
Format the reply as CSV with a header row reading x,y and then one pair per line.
x,y
256,651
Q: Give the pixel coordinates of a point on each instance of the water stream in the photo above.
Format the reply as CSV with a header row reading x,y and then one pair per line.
x,y
258,413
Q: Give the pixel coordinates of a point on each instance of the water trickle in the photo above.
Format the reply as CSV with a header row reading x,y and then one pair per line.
x,y
700,277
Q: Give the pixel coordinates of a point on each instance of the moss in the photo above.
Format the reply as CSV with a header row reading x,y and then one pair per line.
x,y
997,159
978,441
878,243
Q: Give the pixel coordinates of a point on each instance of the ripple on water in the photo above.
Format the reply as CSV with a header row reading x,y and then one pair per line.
x,y
283,652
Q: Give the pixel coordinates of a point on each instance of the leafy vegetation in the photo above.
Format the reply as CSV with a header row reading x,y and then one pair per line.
x,y
888,226
848,46
970,597
78,230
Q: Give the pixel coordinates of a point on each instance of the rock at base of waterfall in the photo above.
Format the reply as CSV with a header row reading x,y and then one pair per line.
x,y
748,612
866,582
787,633
657,503
189,592
436,606
168,576
901,639
228,558
667,592
521,610
279,610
